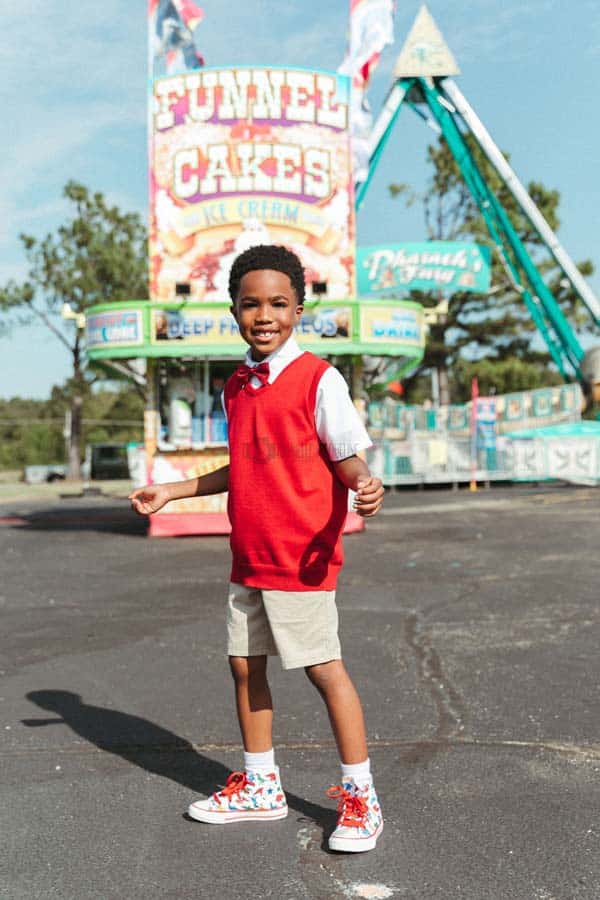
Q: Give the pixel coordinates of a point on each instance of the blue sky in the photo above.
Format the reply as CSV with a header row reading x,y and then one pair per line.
x,y
73,94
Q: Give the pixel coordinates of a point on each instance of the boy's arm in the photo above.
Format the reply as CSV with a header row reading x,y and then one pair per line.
x,y
354,473
342,431
153,497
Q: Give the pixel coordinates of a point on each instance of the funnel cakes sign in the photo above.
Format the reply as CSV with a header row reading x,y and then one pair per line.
x,y
249,156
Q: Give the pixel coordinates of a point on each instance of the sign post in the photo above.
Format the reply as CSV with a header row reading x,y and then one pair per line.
x,y
474,399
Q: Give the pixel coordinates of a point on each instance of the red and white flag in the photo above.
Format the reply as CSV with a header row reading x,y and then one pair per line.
x,y
172,46
371,29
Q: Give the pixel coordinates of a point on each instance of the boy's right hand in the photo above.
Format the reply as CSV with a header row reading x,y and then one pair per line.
x,y
149,499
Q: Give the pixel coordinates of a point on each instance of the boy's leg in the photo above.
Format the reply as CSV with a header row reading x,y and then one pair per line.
x,y
256,793
344,708
253,701
359,821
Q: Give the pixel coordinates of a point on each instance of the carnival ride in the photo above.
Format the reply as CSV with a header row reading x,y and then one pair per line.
x,y
423,81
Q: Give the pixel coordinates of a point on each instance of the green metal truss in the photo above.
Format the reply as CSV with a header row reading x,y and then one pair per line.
x,y
557,333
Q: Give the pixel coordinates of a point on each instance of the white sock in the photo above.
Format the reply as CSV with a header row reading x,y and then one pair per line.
x,y
360,773
260,762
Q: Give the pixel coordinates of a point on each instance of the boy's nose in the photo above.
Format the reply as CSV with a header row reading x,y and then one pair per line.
x,y
264,314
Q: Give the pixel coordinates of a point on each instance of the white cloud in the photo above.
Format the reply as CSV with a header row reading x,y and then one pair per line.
x,y
55,134
72,44
271,32
72,78
22,219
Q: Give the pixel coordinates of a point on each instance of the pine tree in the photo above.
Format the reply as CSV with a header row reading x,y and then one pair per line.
x,y
98,256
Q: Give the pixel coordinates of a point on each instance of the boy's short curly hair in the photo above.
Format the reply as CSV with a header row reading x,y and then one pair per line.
x,y
267,256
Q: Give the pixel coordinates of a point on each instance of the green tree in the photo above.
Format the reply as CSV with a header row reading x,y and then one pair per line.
x,y
98,256
500,376
28,433
31,431
495,327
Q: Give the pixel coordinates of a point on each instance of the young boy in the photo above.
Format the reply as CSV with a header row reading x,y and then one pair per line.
x,y
293,439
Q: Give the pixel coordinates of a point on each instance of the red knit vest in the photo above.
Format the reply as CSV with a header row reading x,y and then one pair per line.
x,y
286,505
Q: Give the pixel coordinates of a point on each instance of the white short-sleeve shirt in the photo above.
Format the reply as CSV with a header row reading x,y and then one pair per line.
x,y
338,424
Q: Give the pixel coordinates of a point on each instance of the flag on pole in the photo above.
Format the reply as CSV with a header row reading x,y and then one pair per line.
x,y
191,14
371,29
172,46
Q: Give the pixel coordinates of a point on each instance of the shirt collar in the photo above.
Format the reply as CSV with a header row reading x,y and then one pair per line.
x,y
280,357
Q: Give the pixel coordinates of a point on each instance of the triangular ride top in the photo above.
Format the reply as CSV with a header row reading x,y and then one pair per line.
x,y
425,52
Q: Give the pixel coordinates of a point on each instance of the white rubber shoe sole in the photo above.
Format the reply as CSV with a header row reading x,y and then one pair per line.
x,y
354,845
229,816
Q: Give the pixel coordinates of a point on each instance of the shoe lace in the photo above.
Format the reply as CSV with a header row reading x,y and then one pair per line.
x,y
352,808
235,784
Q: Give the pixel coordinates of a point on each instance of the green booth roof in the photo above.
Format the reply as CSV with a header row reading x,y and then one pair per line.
x,y
141,328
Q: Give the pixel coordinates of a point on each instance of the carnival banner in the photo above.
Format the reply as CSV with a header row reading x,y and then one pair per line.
x,y
195,325
111,329
447,266
389,324
249,156
325,324
203,329
486,422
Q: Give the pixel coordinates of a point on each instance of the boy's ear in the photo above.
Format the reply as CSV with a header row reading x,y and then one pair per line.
x,y
233,311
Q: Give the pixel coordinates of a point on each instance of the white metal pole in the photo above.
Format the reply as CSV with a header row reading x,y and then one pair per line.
x,y
206,402
388,110
520,194
378,132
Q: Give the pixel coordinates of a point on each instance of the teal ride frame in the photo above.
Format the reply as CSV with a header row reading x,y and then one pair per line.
x,y
558,335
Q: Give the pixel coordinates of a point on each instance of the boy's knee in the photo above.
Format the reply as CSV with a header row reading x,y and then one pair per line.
x,y
323,674
245,668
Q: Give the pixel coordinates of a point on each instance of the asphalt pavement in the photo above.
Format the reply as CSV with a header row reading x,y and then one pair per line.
x,y
469,623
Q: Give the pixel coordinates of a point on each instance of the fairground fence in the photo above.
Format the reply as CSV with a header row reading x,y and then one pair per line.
x,y
527,436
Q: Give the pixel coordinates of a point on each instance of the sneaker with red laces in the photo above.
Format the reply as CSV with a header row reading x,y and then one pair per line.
x,y
359,817
246,797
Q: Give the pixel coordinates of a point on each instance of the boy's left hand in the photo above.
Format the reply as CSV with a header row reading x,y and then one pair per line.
x,y
369,497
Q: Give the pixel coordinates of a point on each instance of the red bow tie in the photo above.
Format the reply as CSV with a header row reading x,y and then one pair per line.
x,y
261,372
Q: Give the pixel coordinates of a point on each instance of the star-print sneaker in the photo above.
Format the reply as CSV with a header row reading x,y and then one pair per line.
x,y
359,817
246,797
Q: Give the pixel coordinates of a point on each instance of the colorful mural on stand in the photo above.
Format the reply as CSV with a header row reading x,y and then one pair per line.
x,y
246,156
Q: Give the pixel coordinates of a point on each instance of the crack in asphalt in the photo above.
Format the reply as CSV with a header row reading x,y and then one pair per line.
x,y
451,709
322,876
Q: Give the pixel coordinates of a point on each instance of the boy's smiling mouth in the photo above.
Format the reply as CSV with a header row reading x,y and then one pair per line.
x,y
264,332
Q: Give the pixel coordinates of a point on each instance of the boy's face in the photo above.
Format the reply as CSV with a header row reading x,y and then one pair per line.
x,y
266,309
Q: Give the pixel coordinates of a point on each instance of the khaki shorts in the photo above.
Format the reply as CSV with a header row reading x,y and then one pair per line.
x,y
302,626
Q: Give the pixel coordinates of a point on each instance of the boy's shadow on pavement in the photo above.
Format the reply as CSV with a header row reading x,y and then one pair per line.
x,y
150,747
